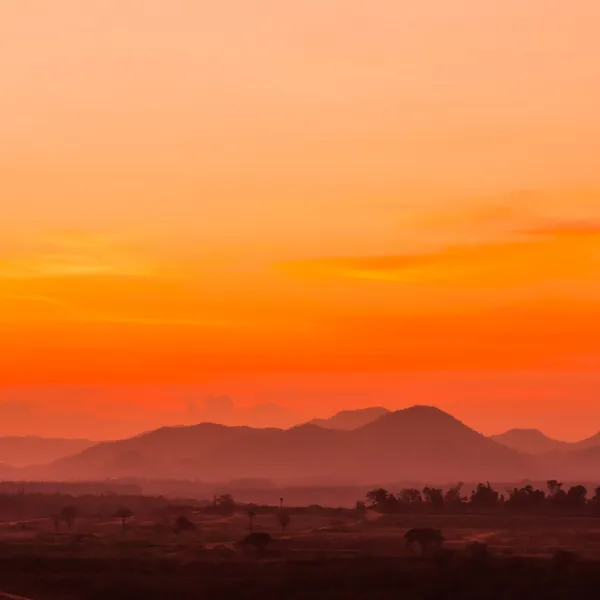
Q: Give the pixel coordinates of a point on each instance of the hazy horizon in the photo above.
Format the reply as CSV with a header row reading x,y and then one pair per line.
x,y
21,419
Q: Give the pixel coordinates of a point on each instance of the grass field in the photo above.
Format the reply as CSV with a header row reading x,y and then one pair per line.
x,y
317,557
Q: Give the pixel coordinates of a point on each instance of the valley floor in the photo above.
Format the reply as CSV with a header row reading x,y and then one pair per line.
x,y
317,558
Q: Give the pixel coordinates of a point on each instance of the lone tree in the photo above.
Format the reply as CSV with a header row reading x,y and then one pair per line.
x,y
225,504
183,524
424,537
377,497
282,517
68,515
257,540
124,514
382,501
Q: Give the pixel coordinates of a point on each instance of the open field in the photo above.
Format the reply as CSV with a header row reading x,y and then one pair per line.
x,y
317,556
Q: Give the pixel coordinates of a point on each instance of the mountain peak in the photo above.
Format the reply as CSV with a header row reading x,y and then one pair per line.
x,y
351,419
530,441
418,417
425,410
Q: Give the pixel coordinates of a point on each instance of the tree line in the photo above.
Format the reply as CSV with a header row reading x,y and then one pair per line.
x,y
484,498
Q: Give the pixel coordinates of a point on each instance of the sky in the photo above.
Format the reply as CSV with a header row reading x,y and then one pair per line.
x,y
302,207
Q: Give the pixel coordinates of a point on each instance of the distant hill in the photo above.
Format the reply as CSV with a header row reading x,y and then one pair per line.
x,y
533,441
351,419
424,443
31,450
530,441
591,442
577,465
419,443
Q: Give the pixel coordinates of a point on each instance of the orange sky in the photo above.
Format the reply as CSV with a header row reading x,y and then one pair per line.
x,y
227,194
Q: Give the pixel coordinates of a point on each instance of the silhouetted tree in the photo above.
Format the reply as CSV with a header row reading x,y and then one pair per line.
x,y
434,497
124,514
525,499
484,496
576,497
410,497
361,508
554,487
377,497
183,524
595,501
557,497
258,540
225,500
453,498
425,537
225,504
382,501
69,515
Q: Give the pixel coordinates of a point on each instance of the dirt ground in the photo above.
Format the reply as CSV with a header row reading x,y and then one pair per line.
x,y
146,559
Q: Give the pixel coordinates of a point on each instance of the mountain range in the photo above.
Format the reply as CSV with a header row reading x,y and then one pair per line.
x,y
421,443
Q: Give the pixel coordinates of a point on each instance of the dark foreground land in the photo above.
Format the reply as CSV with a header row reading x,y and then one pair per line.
x,y
319,554
354,577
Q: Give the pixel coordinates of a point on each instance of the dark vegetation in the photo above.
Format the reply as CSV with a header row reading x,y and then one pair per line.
x,y
555,499
484,498
416,543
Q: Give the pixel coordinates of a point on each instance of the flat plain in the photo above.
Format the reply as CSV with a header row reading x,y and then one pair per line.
x,y
321,554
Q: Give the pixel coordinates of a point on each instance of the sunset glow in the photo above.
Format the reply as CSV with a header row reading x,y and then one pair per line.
x,y
232,195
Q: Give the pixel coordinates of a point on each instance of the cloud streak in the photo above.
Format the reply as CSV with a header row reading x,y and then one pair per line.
x,y
556,252
73,255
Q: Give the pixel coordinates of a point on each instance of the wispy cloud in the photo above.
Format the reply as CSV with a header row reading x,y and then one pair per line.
x,y
559,251
68,255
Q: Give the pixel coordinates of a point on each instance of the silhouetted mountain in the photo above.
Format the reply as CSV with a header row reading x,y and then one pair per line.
x,y
533,441
32,450
530,441
426,444
574,465
591,442
351,419
419,443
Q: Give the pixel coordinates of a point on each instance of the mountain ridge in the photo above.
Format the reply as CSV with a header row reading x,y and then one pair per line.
x,y
534,441
416,443
21,451
397,444
351,419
